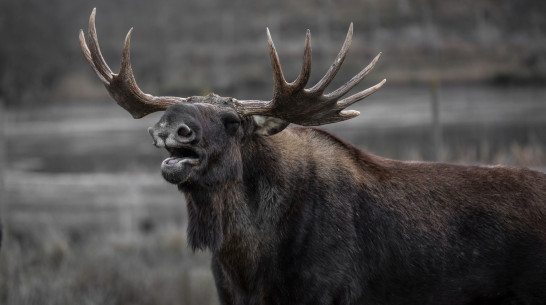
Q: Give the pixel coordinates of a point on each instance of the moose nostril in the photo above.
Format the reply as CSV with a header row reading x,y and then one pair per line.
x,y
184,131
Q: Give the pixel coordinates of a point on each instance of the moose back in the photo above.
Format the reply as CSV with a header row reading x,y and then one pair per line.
x,y
295,215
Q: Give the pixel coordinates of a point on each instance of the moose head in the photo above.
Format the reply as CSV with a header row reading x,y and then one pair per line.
x,y
201,131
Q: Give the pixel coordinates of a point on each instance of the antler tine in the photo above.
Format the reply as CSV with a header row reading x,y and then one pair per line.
x,y
278,76
126,73
122,87
89,59
98,59
354,81
334,68
303,78
125,67
346,102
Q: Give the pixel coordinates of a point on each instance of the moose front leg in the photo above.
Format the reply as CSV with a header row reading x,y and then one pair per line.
x,y
222,286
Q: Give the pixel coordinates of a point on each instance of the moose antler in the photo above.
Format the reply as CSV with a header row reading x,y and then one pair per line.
x,y
293,103
122,87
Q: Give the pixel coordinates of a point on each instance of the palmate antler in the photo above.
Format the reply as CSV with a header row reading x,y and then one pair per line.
x,y
291,102
295,104
122,87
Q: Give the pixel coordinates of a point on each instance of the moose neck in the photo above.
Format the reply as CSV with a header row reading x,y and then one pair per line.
x,y
224,209
207,211
268,176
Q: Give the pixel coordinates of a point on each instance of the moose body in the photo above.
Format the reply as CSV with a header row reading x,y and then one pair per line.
x,y
306,218
295,215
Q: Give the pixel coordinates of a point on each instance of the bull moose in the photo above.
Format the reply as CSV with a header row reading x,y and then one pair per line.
x,y
296,215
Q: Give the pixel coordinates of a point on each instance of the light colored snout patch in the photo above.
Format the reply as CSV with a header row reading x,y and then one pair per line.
x,y
162,142
166,136
158,141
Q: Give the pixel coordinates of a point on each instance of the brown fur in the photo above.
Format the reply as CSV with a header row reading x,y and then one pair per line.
x,y
304,217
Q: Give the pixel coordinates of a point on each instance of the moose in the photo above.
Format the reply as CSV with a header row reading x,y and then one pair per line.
x,y
296,215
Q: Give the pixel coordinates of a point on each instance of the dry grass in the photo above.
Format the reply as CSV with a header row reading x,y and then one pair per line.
x,y
59,264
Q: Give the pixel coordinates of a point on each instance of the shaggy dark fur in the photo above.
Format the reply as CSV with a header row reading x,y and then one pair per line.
x,y
302,217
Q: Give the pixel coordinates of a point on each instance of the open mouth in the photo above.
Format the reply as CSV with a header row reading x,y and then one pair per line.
x,y
181,155
178,168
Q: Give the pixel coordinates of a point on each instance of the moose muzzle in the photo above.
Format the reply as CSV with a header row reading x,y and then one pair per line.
x,y
181,141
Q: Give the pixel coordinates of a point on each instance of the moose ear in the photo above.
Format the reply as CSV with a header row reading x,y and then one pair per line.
x,y
268,125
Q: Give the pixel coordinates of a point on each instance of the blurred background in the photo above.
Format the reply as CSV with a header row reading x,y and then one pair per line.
x,y
87,218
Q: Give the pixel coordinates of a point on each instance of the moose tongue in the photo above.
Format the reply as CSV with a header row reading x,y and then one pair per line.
x,y
173,161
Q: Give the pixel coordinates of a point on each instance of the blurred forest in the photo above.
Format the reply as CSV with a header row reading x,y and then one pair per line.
x,y
188,47
87,218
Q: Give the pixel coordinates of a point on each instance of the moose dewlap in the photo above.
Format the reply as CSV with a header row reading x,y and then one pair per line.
x,y
295,215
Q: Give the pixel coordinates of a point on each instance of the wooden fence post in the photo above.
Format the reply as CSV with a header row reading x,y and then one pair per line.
x,y
3,196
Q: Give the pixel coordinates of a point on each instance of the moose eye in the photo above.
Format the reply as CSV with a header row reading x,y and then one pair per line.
x,y
231,122
184,131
